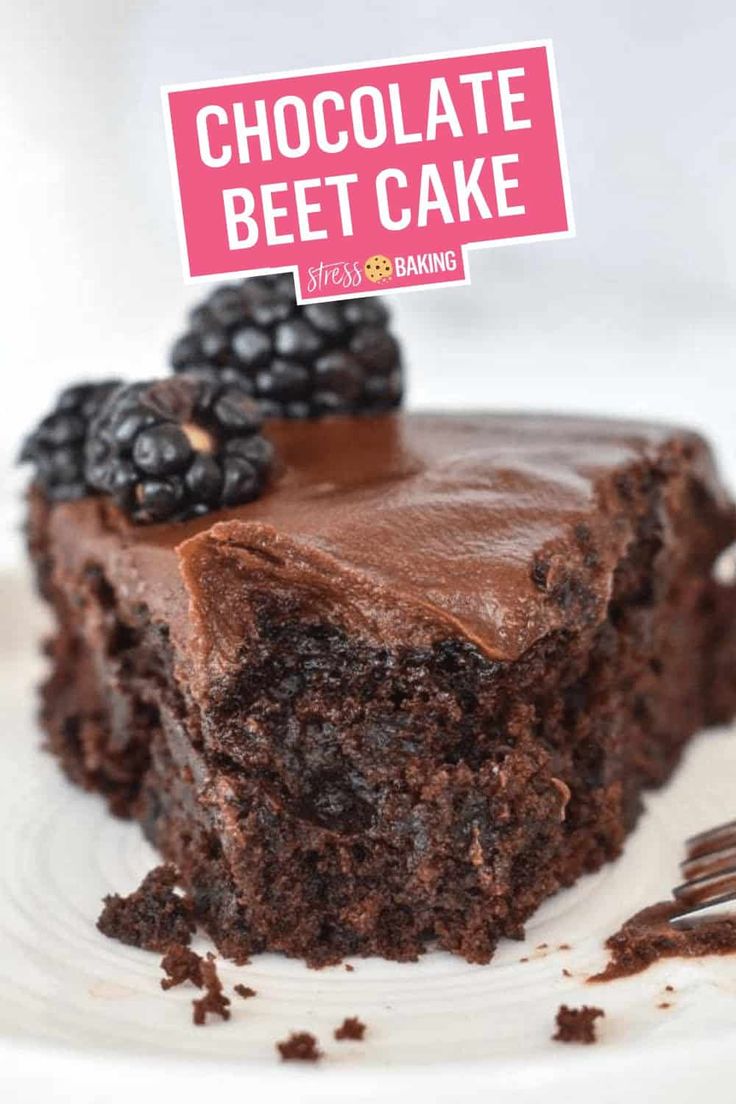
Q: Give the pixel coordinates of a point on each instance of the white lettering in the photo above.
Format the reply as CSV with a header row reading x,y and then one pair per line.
x,y
341,185
366,92
384,213
441,110
207,157
509,98
272,213
476,82
258,130
466,187
234,218
432,196
320,125
502,185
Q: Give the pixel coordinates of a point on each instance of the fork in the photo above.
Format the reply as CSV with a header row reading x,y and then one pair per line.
x,y
709,869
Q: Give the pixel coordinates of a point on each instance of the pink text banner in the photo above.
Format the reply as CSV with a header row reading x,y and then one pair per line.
x,y
369,178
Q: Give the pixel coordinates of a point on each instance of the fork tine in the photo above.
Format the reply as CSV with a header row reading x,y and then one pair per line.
x,y
720,908
713,839
711,863
699,890
709,892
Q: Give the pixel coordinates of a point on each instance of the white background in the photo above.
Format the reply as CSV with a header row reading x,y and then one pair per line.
x,y
636,315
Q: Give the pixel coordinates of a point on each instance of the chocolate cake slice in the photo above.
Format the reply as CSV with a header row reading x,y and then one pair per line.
x,y
412,690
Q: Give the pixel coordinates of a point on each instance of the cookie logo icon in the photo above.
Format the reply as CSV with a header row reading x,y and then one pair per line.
x,y
378,268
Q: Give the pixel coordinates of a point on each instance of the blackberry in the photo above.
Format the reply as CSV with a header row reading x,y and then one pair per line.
x,y
177,448
297,361
56,445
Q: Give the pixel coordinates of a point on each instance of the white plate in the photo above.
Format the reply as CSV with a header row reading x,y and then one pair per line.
x,y
82,1017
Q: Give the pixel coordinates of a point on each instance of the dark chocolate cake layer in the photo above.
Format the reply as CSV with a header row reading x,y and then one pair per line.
x,y
411,691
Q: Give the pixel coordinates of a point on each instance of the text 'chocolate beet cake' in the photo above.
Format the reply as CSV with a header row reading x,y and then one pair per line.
x,y
411,690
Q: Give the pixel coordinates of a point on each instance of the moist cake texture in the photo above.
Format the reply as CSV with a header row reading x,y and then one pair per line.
x,y
153,916
411,691
648,937
577,1025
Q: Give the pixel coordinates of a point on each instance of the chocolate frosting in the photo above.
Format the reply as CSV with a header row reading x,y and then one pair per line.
x,y
408,526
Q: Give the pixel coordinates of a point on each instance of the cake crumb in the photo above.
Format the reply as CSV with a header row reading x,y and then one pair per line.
x,y
564,947
566,972
301,1046
664,1004
523,959
577,1025
245,991
648,936
153,917
542,946
351,1028
669,988
350,969
181,964
214,1000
